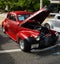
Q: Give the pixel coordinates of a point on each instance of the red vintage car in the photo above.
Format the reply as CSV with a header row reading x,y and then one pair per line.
x,y
25,28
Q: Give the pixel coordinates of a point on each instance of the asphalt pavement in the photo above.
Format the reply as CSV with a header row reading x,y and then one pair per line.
x,y
11,54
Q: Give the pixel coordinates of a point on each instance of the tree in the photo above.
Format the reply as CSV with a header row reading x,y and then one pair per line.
x,y
29,5
46,2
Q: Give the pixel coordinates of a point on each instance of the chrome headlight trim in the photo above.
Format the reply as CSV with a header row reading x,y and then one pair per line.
x,y
38,38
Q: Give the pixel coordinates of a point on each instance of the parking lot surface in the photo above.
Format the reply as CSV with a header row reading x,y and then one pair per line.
x,y
11,54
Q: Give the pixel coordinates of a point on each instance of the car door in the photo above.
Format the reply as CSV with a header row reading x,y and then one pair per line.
x,y
13,26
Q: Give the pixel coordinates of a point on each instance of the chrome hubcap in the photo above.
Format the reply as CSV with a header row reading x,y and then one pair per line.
x,y
22,44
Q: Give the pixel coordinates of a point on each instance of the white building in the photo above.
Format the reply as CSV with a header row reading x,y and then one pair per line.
x,y
55,1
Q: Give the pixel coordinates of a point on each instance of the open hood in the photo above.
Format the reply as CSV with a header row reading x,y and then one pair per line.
x,y
38,16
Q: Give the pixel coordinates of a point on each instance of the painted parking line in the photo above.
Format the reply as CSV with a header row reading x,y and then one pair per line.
x,y
12,50
18,50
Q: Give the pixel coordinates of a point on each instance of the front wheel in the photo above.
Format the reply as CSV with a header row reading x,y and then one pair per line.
x,y
24,46
47,25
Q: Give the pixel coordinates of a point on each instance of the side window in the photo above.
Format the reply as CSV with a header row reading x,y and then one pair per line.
x,y
13,18
58,17
9,16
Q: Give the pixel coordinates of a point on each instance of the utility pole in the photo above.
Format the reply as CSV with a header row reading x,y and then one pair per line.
x,y
41,4
6,8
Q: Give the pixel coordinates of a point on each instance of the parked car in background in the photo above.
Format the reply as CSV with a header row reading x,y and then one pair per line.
x,y
25,28
54,23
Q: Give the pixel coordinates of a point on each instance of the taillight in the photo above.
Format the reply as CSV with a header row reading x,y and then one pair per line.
x,y
54,32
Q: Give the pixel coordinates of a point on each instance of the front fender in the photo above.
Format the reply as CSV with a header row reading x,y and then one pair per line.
x,y
22,35
30,40
26,38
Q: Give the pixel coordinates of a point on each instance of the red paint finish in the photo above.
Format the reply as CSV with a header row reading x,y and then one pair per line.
x,y
14,29
22,24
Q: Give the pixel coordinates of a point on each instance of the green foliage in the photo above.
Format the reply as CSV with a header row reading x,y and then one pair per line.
x,y
29,5
46,2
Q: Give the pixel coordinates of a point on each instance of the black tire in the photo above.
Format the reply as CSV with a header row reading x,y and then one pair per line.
x,y
47,25
3,29
24,45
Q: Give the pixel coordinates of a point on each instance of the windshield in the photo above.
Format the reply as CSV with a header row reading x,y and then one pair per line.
x,y
23,17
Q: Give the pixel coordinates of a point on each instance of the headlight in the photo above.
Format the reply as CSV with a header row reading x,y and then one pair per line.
x,y
57,34
38,38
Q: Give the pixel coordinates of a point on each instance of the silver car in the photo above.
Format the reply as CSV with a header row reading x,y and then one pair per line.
x,y
54,24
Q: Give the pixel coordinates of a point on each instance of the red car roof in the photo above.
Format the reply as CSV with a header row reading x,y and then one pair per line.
x,y
20,12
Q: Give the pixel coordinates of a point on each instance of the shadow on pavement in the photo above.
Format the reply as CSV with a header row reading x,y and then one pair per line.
x,y
5,58
3,40
53,51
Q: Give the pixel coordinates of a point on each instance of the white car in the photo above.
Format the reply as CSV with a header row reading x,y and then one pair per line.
x,y
54,24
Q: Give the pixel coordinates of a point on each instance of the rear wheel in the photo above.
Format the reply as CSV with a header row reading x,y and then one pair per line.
x,y
3,29
24,46
47,25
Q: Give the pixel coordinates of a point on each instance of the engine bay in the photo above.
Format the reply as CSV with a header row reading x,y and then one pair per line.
x,y
36,26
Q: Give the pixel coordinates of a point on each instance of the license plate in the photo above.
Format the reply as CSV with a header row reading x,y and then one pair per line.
x,y
35,46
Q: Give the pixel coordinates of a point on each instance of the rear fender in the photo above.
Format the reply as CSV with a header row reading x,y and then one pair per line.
x,y
4,24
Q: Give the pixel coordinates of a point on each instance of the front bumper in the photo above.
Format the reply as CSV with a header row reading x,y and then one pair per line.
x,y
44,41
